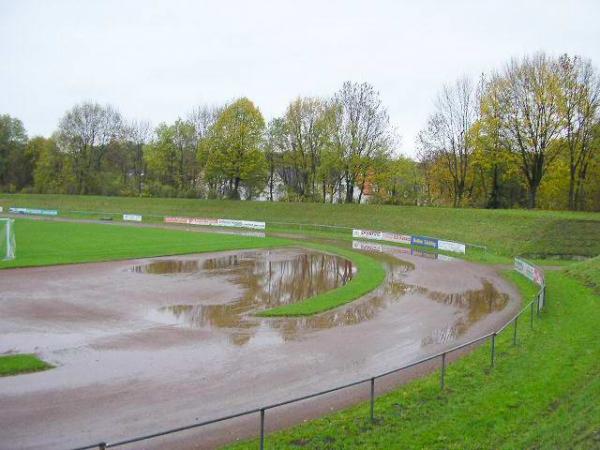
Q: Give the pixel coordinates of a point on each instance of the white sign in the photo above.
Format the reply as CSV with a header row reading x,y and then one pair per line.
x,y
191,221
132,217
381,236
241,224
450,246
530,271
229,223
367,234
1,209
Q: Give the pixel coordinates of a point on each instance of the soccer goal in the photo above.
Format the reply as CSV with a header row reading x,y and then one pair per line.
x,y
8,247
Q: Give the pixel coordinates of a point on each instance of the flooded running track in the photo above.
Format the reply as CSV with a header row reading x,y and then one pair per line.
x,y
146,345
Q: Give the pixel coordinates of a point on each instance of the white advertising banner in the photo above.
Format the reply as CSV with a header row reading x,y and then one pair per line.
x,y
529,270
1,209
450,246
191,221
241,224
132,217
381,236
228,223
368,234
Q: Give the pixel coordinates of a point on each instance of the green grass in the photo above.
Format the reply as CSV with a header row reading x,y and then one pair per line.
x,y
370,274
543,393
42,243
588,272
22,363
53,242
505,232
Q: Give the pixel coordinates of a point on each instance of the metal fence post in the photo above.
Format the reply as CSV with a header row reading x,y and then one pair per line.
x,y
515,333
372,399
443,371
538,304
493,348
262,429
532,315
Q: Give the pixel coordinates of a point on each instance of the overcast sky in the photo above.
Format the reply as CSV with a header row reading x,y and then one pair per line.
x,y
156,60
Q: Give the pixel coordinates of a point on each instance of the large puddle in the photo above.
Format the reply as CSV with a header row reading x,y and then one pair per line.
x,y
266,279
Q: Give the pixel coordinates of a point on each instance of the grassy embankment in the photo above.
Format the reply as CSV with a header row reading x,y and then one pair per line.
x,y
506,233
543,393
19,364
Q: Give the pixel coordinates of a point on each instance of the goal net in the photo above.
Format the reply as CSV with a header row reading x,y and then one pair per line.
x,y
7,239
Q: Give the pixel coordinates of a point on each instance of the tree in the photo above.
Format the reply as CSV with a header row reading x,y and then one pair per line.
x,y
579,103
139,134
13,142
361,131
446,138
530,119
492,160
52,172
84,133
235,157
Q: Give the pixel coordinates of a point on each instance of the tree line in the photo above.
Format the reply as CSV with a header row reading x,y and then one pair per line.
x,y
524,136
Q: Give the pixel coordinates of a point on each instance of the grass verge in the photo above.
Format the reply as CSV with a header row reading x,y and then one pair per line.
x,y
22,363
543,393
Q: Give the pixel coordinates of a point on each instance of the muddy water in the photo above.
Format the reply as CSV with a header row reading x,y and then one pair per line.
x,y
267,281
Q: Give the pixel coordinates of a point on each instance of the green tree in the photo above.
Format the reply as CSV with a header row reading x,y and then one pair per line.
x,y
52,173
13,144
530,119
234,156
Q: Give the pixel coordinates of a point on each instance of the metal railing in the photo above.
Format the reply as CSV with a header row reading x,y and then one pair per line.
x,y
533,308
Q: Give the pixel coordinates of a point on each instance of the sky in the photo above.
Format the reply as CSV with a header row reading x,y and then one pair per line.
x,y
157,60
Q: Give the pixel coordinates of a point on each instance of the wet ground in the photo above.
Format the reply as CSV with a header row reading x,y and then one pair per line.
x,y
146,345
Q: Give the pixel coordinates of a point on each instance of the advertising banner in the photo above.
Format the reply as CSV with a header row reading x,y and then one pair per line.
x,y
530,271
228,223
381,236
37,212
424,241
241,224
395,237
367,234
191,221
132,217
450,246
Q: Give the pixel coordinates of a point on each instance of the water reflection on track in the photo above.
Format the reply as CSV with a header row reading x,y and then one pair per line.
x,y
269,278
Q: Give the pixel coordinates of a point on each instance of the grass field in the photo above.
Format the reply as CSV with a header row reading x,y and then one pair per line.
x,y
19,364
543,393
505,232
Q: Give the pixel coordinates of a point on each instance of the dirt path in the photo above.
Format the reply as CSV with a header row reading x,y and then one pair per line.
x,y
140,352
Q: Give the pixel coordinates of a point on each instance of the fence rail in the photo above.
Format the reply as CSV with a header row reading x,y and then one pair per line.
x,y
534,305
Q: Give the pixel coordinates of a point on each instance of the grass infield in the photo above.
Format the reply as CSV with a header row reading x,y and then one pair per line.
x,y
21,363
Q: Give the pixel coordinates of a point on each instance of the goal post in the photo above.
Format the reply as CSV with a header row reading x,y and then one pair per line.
x,y
8,248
